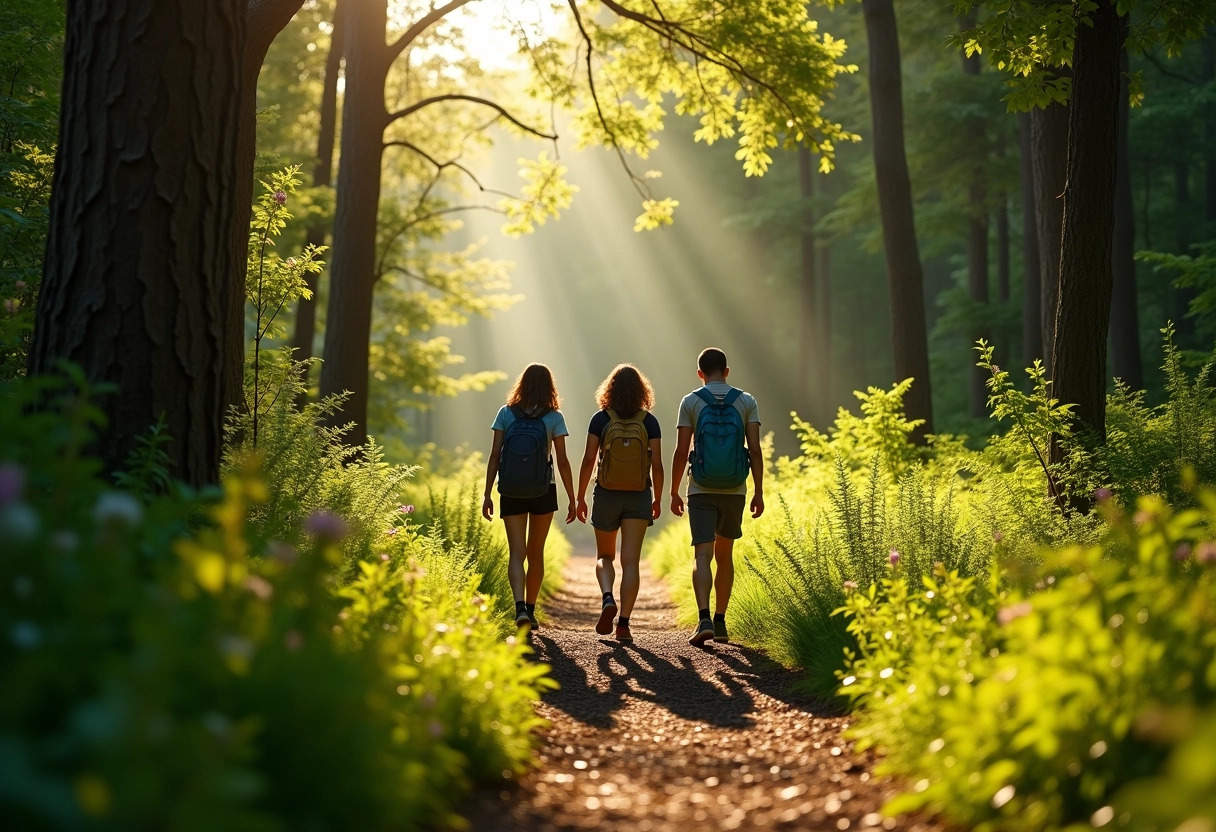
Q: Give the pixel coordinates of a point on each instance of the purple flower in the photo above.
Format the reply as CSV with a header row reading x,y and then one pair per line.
x,y
405,509
1101,495
12,483
894,557
326,525
1019,610
281,552
280,197
1206,553
1183,551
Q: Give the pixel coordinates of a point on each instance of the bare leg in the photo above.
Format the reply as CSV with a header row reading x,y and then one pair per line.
x,y
517,532
632,534
605,551
702,574
538,530
724,580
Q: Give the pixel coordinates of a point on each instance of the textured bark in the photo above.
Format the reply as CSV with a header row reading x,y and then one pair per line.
x,y
977,237
808,290
138,256
1124,310
1049,154
1032,319
905,275
352,265
1083,309
322,177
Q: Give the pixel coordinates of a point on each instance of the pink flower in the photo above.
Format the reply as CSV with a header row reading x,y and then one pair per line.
x,y
292,640
392,531
280,197
998,536
435,728
19,285
1206,553
1183,551
850,585
405,509
281,552
259,586
384,557
894,557
326,525
1101,495
12,483
291,262
1019,610
12,305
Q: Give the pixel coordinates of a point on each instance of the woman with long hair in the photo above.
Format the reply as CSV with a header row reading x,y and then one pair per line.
x,y
528,432
624,451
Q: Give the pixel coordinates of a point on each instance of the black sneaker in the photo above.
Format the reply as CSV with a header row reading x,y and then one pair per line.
x,y
607,614
532,620
705,631
522,619
720,634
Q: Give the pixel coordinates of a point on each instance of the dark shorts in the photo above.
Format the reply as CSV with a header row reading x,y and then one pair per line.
x,y
544,504
715,515
609,508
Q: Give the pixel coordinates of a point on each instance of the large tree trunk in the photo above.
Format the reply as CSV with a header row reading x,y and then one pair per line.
x,y
904,273
1209,129
1083,310
138,256
1124,310
808,290
322,177
1049,154
352,267
977,236
1032,319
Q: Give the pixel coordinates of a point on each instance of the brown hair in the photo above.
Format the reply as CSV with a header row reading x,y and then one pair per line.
x,y
626,390
534,390
711,361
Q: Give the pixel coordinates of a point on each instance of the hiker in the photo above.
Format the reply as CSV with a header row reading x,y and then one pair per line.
x,y
722,424
528,431
624,437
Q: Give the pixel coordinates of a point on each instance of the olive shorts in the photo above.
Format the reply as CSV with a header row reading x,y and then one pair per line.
x,y
609,508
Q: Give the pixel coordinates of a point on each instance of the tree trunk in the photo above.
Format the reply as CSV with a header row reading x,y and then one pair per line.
x,y
352,266
138,255
825,333
1124,310
1004,268
1032,319
977,237
322,177
1049,154
808,288
1083,309
1209,129
904,273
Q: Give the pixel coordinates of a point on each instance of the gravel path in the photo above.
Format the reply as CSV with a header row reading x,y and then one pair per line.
x,y
660,735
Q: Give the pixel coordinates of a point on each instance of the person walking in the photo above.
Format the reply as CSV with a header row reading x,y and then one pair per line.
x,y
718,438
529,431
624,439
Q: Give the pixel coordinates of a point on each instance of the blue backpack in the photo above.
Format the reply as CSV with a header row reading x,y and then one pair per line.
x,y
523,463
719,457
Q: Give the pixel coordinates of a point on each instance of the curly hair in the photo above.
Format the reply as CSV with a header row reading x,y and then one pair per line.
x,y
626,390
534,390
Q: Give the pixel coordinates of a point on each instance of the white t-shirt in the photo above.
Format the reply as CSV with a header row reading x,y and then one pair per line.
x,y
691,406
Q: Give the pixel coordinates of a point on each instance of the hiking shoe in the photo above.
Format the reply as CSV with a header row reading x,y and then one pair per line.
x,y
604,625
623,635
522,620
720,634
532,620
705,631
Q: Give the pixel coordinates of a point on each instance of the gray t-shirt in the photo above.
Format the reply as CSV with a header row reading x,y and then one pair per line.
x,y
691,406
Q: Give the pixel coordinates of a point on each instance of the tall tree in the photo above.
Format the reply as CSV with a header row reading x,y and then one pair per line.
x,y
1032,321
1124,311
905,275
139,253
1049,152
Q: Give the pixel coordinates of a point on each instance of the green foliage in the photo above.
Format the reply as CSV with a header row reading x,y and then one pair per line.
x,y
25,192
1196,272
168,664
1031,707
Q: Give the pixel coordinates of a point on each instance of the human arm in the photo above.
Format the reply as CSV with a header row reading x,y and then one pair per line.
x,y
563,469
487,503
656,477
679,462
584,475
756,457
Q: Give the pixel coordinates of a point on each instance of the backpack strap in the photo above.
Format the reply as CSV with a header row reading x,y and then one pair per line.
x,y
732,396
709,398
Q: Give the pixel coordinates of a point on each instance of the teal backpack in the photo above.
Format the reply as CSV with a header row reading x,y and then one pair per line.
x,y
719,456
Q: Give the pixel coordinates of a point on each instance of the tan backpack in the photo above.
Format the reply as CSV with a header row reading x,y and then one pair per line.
x,y
624,454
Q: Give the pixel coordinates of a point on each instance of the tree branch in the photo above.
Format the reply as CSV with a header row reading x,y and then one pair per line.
x,y
421,25
441,166
1167,72
502,112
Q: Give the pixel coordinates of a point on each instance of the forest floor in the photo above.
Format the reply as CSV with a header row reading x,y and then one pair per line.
x,y
660,735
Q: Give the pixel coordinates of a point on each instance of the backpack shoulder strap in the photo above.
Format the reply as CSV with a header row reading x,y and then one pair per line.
x,y
732,396
517,411
612,415
704,395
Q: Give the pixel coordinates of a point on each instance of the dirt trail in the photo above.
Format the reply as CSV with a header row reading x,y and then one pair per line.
x,y
659,735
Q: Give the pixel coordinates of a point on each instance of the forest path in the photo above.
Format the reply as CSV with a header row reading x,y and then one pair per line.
x,y
660,735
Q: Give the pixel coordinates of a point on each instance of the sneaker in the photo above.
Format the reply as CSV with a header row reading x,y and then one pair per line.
x,y
623,635
604,625
532,620
705,631
720,634
522,620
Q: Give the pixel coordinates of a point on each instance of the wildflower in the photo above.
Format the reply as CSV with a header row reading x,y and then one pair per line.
x,y
280,197
405,509
392,531
326,525
1013,613
894,557
117,509
1142,516
291,262
1101,495
19,522
1183,551
850,585
998,536
12,483
19,285
996,369
12,305
1207,552
259,586
281,552
435,728
292,640
384,557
